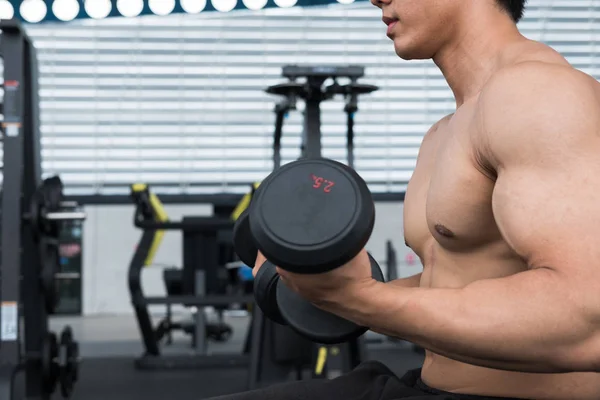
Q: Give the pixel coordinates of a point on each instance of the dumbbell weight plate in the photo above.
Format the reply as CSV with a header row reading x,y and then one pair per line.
x,y
312,215
314,323
242,240
265,292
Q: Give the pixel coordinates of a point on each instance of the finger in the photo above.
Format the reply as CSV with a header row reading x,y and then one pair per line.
x,y
260,260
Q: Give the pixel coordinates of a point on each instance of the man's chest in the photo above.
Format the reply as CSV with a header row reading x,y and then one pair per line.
x,y
449,198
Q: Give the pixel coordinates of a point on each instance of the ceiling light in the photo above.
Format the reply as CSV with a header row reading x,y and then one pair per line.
x,y
130,8
33,10
286,3
161,7
255,4
65,10
7,11
224,5
193,6
98,9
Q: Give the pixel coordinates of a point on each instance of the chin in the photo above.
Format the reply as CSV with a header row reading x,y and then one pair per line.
x,y
411,52
403,54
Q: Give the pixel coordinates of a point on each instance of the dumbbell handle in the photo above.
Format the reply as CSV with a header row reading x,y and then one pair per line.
x,y
65,216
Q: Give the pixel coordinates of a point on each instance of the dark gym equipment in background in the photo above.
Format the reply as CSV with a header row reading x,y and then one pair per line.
x,y
32,213
314,93
196,284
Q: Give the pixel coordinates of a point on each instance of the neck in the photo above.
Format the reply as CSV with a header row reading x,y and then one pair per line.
x,y
475,53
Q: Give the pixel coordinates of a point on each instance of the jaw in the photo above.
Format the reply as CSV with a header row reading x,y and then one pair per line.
x,y
408,49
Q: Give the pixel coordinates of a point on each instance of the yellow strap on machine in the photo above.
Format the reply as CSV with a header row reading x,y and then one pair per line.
x,y
138,187
322,356
244,203
321,360
160,215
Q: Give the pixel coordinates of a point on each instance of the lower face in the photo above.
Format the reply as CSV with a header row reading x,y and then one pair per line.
x,y
414,44
402,43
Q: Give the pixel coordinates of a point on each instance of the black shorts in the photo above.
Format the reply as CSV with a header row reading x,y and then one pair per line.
x,y
370,381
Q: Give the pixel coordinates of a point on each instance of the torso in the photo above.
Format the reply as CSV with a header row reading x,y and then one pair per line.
x,y
449,223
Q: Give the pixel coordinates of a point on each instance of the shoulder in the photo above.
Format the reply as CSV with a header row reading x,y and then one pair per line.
x,y
532,65
544,82
430,141
438,126
532,105
538,86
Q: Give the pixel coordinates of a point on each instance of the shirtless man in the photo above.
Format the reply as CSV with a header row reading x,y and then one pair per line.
x,y
503,210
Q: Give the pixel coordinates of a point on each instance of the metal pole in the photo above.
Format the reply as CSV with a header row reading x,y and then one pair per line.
x,y
311,140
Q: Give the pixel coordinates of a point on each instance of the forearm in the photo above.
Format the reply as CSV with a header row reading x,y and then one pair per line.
x,y
525,322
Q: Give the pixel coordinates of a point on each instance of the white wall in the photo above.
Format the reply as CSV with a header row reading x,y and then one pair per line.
x,y
110,239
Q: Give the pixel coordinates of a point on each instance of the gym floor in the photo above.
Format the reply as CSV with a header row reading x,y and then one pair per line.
x,y
109,345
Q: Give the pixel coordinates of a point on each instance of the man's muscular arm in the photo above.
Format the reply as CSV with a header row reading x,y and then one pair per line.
x,y
408,282
541,130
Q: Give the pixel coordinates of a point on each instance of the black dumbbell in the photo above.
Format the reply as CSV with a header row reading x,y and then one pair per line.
x,y
308,217
265,283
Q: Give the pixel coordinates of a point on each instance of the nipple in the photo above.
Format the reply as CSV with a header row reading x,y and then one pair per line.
x,y
442,230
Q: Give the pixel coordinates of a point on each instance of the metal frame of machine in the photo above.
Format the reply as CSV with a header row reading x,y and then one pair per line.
x,y
22,174
32,209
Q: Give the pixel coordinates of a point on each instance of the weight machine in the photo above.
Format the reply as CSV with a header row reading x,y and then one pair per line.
x,y
32,211
195,285
267,360
324,361
314,93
